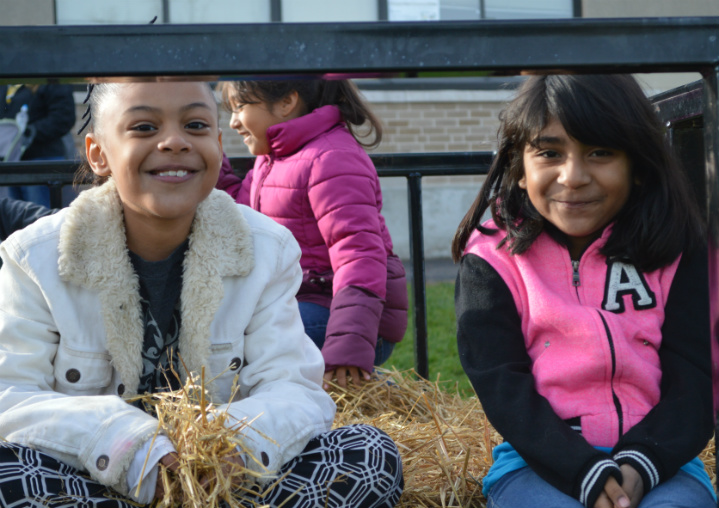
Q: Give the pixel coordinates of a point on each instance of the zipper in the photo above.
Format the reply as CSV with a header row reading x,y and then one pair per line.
x,y
575,278
615,398
575,273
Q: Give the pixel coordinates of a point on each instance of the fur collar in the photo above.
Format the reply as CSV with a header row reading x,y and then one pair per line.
x,y
93,254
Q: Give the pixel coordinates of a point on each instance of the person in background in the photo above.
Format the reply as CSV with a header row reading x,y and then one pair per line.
x,y
16,214
313,176
50,116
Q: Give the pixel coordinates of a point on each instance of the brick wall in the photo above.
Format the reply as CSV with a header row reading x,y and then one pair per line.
x,y
437,127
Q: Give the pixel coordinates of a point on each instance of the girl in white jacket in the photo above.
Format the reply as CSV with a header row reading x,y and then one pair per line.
x,y
98,302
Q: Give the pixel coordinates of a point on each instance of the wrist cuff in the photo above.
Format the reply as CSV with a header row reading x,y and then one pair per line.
x,y
592,484
644,466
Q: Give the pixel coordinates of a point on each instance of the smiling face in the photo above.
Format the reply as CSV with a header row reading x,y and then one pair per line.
x,y
252,119
161,144
579,188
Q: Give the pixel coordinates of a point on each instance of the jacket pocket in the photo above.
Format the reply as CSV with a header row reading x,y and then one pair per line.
x,y
316,282
226,359
81,371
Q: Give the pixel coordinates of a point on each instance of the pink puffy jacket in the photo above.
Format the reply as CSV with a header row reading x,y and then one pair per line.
x,y
319,183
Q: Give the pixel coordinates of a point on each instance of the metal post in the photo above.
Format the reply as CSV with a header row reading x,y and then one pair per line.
x,y
416,240
382,10
276,11
577,8
165,11
55,194
711,154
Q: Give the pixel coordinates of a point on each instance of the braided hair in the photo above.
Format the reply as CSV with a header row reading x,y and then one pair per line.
x,y
96,93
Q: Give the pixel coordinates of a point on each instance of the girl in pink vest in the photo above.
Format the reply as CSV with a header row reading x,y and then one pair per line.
x,y
313,176
582,304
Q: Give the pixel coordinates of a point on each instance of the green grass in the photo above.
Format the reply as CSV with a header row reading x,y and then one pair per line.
x,y
441,339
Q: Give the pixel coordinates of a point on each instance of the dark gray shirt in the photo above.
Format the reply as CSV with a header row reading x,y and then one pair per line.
x,y
160,286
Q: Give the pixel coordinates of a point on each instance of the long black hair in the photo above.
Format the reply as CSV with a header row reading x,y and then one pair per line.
x,y
660,218
314,93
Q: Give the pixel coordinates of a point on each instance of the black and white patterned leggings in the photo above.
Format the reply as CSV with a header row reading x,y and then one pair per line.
x,y
356,466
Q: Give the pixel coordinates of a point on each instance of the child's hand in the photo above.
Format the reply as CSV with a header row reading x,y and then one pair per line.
x,y
633,484
231,468
345,373
613,496
170,462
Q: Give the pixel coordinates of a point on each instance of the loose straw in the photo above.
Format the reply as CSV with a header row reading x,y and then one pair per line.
x,y
205,439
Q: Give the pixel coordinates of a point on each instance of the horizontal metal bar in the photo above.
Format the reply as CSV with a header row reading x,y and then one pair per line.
x,y
37,172
680,104
618,45
432,164
390,165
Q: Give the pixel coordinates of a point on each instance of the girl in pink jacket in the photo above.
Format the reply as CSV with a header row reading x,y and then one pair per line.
x,y
313,176
583,307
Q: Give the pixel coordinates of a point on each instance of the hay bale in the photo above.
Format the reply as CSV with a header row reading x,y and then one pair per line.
x,y
445,440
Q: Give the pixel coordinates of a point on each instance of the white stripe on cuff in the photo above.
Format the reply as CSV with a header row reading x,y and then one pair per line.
x,y
591,478
643,461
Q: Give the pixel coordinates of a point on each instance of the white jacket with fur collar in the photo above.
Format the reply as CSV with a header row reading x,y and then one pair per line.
x,y
71,334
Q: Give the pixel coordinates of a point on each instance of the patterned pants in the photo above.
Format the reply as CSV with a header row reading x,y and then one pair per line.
x,y
356,466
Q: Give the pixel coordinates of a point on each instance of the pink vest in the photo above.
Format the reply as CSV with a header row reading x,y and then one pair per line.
x,y
593,331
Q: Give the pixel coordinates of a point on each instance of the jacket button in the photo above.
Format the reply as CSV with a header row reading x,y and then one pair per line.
x,y
265,459
72,375
236,363
120,389
102,462
646,342
546,344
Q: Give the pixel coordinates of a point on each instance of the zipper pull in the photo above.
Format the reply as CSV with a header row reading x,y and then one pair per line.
x,y
575,273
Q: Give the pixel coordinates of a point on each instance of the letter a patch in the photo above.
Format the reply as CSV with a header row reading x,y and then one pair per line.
x,y
624,279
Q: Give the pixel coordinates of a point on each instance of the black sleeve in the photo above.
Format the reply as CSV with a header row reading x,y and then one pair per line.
x,y
678,428
494,357
16,214
59,107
